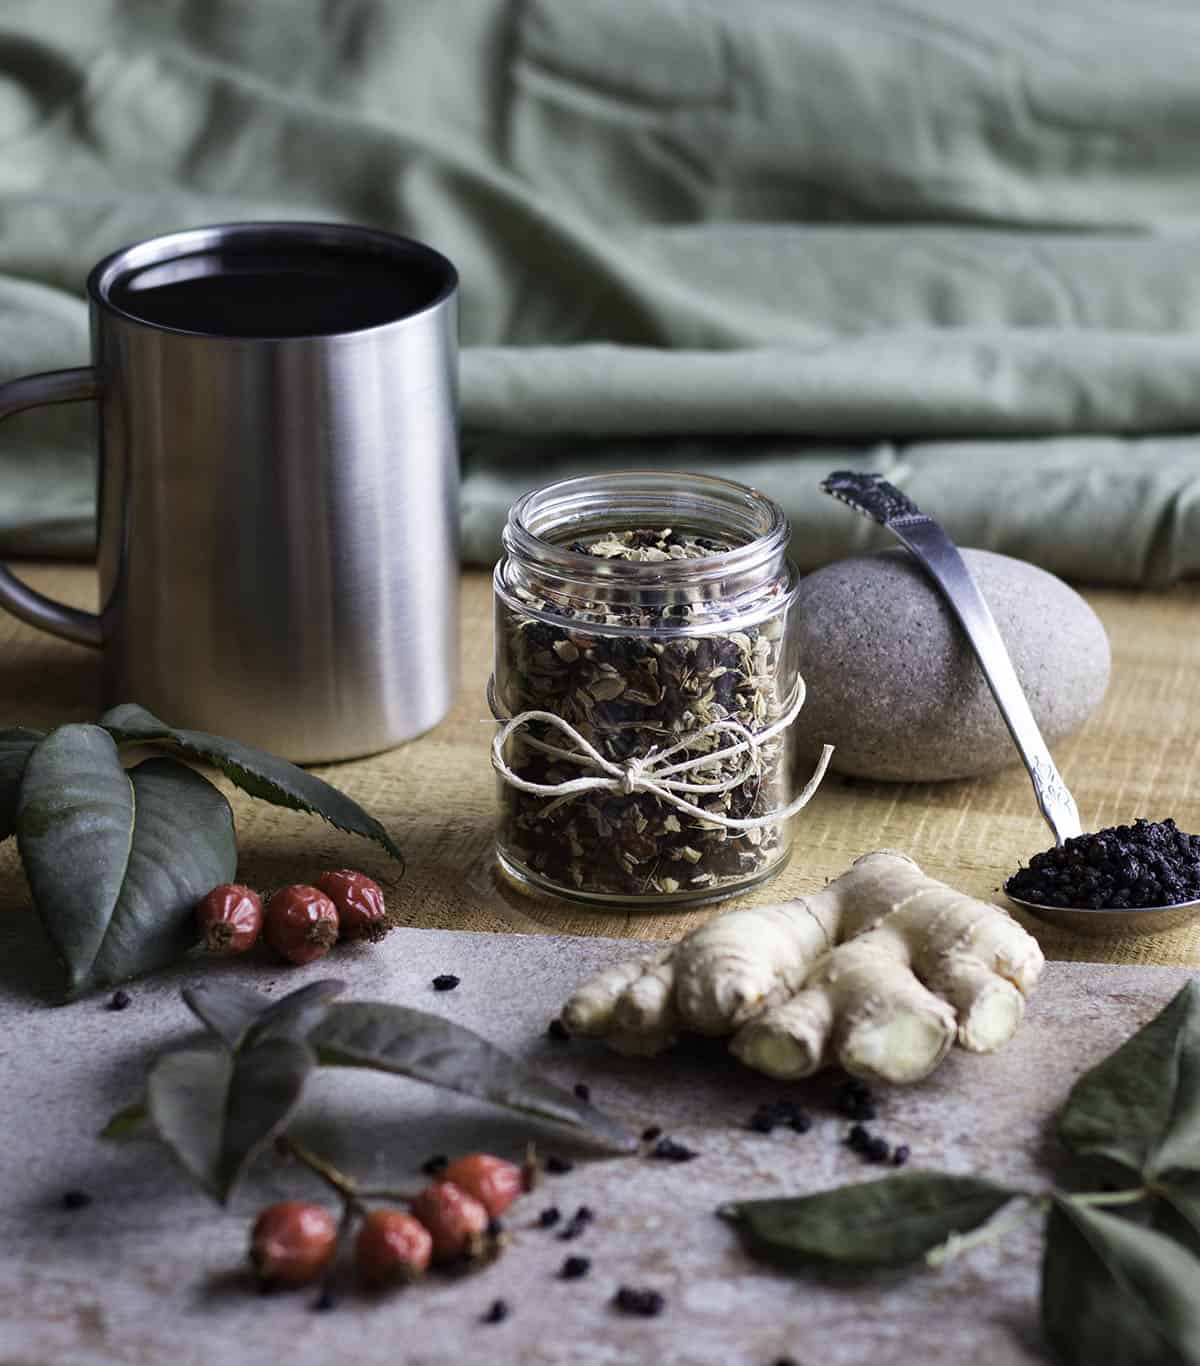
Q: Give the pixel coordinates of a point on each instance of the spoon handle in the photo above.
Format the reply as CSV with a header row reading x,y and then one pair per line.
x,y
936,552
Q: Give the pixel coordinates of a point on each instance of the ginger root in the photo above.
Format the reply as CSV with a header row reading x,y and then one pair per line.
x,y
883,971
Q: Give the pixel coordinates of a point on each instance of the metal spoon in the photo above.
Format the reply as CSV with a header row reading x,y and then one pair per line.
x,y
933,549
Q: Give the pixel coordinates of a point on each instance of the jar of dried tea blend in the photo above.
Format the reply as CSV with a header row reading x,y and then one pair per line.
x,y
645,681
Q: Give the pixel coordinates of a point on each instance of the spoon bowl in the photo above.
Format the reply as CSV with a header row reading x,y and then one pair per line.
x,y
1112,919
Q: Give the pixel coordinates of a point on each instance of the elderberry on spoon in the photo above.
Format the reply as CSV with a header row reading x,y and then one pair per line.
x,y
1060,867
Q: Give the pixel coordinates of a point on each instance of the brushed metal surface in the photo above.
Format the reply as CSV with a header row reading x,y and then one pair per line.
x,y
278,516
37,391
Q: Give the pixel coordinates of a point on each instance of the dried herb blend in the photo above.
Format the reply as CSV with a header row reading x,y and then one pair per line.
x,y
635,677
1148,863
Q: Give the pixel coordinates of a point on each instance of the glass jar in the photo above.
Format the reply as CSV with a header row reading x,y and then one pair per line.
x,y
650,613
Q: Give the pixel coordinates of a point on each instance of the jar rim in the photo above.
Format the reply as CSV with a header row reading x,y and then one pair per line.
x,y
744,613
762,519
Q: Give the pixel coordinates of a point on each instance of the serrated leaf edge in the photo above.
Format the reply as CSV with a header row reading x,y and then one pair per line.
x,y
240,775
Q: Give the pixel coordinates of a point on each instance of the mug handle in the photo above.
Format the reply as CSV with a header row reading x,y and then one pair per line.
x,y
55,386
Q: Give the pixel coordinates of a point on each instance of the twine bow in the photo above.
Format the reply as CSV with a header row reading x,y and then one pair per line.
x,y
654,772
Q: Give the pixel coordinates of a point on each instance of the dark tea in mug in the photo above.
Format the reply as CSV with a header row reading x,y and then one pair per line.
x,y
295,293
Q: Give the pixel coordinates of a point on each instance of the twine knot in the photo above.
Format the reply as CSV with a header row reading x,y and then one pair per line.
x,y
633,777
654,772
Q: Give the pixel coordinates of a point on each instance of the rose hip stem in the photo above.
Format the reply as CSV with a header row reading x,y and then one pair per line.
x,y
352,1196
350,1191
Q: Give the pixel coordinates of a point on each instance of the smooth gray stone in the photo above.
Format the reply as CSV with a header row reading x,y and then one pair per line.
x,y
894,686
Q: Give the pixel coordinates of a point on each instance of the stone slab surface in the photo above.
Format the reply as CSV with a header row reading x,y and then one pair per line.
x,y
152,1271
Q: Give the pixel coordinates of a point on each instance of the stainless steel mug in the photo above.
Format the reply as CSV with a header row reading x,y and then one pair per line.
x,y
278,484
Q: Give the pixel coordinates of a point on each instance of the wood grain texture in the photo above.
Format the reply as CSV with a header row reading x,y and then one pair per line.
x,y
1138,756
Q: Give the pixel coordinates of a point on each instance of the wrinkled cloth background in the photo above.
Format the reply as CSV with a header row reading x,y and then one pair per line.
x,y
947,239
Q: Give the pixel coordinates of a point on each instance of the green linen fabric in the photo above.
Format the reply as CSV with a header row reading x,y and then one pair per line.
x,y
947,239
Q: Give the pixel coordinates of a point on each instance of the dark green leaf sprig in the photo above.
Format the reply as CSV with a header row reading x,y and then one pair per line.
x,y
1121,1267
219,1100
116,858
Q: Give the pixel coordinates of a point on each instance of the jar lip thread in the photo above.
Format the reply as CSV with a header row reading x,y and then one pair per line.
x,y
739,612
766,543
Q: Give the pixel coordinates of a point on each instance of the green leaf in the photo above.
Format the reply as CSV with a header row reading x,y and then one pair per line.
x,y
872,1223
429,1048
226,1008
254,771
216,1110
1116,1292
1177,1212
117,861
297,1014
15,748
238,1014
127,1123
1140,1107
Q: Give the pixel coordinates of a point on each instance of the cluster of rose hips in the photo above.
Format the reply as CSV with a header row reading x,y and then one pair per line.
x,y
452,1223
301,923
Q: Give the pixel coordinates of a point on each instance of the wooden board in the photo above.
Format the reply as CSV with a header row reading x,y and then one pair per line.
x,y
1139,755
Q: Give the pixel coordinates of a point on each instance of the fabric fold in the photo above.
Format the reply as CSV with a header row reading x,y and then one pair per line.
x,y
949,240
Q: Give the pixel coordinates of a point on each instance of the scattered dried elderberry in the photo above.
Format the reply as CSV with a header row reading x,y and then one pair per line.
x,y
858,1138
779,1112
901,1154
574,1268
577,1224
583,1090
446,981
667,1150
559,1166
645,1303
855,1101
650,1134
120,1000
558,1031
870,1146
73,1200
435,1165
549,1217
497,1312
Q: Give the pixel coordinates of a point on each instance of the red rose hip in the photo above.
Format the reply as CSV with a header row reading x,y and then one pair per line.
x,y
494,1182
359,902
301,923
456,1221
293,1242
230,918
393,1248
